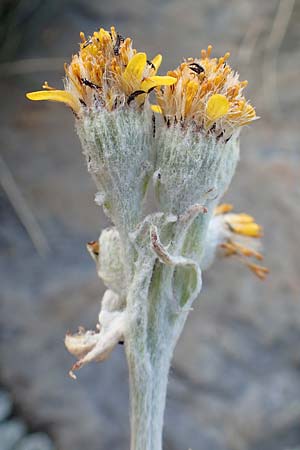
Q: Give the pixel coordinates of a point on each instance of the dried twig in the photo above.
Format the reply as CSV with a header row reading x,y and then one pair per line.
x,y
250,40
273,44
22,209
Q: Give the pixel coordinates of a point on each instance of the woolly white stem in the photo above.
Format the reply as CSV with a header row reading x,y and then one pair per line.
x,y
148,386
155,326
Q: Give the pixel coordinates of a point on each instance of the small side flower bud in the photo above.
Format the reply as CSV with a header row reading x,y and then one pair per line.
x,y
237,235
108,256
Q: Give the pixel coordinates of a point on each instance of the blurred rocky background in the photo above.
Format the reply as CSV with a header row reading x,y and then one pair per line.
x,y
235,379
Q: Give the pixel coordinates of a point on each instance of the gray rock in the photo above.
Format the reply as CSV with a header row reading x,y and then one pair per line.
x,y
5,405
35,441
10,433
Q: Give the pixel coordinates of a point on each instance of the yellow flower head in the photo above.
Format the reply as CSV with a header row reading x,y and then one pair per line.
x,y
241,238
207,94
107,72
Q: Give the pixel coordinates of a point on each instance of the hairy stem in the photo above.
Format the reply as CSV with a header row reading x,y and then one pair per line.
x,y
150,342
148,386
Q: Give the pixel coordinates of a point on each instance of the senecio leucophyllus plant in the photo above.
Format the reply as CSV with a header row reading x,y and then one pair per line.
x,y
187,145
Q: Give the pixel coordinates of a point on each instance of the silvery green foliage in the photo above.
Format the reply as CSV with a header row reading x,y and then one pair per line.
x,y
118,149
153,263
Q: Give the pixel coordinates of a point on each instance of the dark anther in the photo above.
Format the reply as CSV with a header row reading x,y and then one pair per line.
x,y
121,342
119,40
82,102
89,84
89,42
133,95
195,67
150,63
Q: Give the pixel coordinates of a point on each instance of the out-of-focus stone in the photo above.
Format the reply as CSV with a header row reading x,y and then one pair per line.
x,y
5,405
35,441
10,434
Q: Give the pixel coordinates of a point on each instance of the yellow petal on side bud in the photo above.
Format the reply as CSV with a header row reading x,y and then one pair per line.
x,y
216,107
55,96
241,218
242,247
247,229
223,209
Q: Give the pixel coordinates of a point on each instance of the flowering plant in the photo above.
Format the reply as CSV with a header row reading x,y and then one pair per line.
x,y
187,144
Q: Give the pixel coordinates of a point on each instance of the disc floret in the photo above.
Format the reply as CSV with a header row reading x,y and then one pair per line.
x,y
207,95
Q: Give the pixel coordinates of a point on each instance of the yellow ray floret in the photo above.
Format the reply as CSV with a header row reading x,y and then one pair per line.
x,y
216,107
151,82
135,68
55,96
156,61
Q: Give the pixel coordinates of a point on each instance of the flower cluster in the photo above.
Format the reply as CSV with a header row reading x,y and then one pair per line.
x,y
208,94
107,72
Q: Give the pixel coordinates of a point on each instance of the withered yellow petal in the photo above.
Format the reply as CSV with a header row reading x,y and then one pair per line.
x,y
135,68
217,106
156,109
259,271
55,96
151,82
156,61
